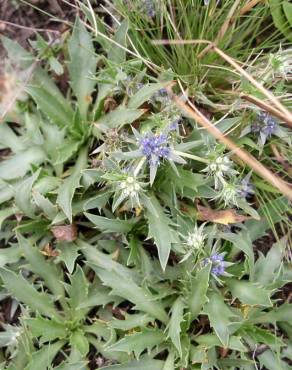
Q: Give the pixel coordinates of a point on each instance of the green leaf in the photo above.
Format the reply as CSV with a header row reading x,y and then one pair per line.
x,y
122,286
279,17
267,267
117,54
58,111
169,363
210,340
220,317
138,342
159,230
18,165
9,139
282,313
46,269
79,341
287,7
43,358
198,290
249,293
78,291
118,118
130,322
82,65
174,326
5,213
111,225
48,208
23,195
145,364
144,94
9,255
70,184
47,330
68,254
23,291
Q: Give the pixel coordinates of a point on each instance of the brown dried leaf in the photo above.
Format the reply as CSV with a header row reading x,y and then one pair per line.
x,y
224,217
49,251
67,233
110,104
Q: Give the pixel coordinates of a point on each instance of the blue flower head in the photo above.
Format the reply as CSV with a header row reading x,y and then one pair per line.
x,y
218,264
264,126
155,147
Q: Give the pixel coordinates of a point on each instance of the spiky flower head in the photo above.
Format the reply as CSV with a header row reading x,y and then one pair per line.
x,y
194,241
155,148
130,187
218,264
264,126
219,167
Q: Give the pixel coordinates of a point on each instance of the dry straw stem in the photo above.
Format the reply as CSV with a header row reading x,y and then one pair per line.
x,y
251,4
273,100
247,158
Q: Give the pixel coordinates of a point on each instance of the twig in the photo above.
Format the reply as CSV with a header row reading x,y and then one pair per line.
x,y
260,103
29,28
247,158
247,7
260,87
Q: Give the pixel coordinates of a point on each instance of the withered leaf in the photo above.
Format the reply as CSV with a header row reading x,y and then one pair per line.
x,y
49,251
224,217
67,233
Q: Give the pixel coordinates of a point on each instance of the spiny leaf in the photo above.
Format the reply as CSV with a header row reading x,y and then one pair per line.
x,y
117,54
111,225
198,290
118,118
174,328
159,230
138,342
23,291
70,184
47,330
42,267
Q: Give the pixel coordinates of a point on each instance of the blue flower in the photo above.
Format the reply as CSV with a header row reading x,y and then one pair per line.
x,y
264,126
154,147
218,264
246,188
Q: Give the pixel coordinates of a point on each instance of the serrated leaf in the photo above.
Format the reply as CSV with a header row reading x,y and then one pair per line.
x,y
144,94
42,267
111,225
145,364
116,54
210,340
18,165
118,118
198,289
23,195
69,254
282,313
130,322
174,326
70,184
220,317
159,230
249,293
138,342
82,65
23,291
78,288
49,209
123,286
48,330
43,358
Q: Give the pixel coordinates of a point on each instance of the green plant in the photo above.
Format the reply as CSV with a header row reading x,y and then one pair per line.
x,y
102,194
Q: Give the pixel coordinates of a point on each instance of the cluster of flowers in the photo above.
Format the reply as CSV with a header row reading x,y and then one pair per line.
x,y
155,148
218,264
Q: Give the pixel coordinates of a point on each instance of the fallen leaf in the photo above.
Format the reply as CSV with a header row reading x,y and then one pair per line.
x,y
224,217
109,104
49,251
67,233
